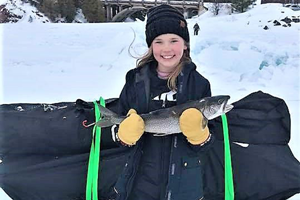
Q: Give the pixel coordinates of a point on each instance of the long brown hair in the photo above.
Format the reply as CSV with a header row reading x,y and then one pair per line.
x,y
148,57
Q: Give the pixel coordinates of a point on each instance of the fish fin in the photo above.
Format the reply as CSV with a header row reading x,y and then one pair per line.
x,y
165,112
106,112
104,123
107,117
159,134
204,122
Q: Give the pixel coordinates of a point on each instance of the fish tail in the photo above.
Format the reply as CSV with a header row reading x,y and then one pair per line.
x,y
104,123
107,117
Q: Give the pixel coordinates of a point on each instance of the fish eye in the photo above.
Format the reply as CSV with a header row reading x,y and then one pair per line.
x,y
220,101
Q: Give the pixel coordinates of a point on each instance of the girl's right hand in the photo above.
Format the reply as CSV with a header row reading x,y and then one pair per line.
x,y
132,128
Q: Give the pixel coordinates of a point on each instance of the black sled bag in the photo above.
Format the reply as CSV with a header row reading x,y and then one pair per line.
x,y
44,150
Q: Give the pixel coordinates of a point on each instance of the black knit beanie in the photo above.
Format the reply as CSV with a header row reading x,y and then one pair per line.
x,y
165,19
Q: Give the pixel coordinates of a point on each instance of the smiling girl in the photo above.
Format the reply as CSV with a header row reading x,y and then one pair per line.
x,y
167,167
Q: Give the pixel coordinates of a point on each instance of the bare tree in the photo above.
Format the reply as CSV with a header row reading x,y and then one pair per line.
x,y
216,7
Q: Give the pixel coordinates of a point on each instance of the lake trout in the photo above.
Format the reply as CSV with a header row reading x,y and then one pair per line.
x,y
166,121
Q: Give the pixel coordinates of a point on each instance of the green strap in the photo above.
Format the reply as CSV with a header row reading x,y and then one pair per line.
x,y
93,167
229,188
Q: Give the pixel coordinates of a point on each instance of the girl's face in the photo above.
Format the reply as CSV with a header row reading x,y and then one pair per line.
x,y
168,50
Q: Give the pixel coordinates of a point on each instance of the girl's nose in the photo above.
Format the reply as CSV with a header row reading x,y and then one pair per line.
x,y
167,47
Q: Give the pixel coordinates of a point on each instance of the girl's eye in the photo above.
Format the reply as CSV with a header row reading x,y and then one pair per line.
x,y
158,42
173,41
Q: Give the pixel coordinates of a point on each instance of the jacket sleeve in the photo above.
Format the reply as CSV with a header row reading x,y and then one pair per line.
x,y
127,96
203,90
207,90
126,102
201,87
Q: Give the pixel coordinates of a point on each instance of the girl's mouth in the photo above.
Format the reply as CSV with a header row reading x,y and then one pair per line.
x,y
168,57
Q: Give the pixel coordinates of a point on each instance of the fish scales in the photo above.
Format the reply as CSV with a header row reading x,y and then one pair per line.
x,y
166,121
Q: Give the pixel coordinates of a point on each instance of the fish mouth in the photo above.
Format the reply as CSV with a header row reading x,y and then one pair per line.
x,y
227,107
223,109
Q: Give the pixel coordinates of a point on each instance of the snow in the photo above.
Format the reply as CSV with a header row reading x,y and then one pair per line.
x,y
79,17
28,12
63,62
3,2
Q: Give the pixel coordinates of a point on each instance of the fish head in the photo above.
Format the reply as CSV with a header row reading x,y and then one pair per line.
x,y
212,107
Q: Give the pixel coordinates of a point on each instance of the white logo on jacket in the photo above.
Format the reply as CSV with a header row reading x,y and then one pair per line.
x,y
167,96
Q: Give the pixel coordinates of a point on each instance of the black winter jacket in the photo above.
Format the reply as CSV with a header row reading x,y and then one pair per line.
x,y
182,167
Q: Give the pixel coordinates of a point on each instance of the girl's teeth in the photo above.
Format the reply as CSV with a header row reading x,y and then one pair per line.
x,y
167,57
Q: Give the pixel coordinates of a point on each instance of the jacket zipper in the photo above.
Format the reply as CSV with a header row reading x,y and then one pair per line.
x,y
162,163
130,180
171,172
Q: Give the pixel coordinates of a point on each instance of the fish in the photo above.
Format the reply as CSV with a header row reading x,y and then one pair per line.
x,y
165,121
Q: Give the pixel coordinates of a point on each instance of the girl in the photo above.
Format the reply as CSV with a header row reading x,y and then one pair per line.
x,y
167,167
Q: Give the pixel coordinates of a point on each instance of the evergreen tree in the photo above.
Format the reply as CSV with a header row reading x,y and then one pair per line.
x,y
67,9
78,3
50,8
93,11
241,5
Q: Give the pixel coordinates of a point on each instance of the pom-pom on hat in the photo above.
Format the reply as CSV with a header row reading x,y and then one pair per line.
x,y
165,19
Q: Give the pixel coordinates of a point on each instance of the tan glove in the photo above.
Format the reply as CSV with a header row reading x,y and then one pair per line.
x,y
190,123
131,128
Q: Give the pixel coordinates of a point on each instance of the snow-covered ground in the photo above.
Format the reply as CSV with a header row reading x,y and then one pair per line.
x,y
63,62
27,12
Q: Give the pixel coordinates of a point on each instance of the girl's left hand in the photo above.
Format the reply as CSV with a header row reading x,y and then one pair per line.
x,y
190,123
